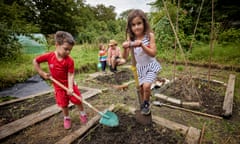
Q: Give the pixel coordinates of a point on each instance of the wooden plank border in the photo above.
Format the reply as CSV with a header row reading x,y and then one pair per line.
x,y
228,99
20,124
26,97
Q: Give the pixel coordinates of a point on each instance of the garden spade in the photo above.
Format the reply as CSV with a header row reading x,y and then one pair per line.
x,y
158,103
108,118
143,119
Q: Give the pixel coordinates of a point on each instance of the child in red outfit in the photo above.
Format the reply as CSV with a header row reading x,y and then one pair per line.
x,y
61,67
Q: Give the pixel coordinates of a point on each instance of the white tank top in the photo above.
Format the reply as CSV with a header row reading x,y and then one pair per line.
x,y
140,55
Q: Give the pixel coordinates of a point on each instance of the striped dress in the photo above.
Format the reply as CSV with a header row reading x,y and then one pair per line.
x,y
147,66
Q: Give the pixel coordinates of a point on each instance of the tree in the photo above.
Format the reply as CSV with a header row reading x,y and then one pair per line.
x,y
54,15
103,13
13,21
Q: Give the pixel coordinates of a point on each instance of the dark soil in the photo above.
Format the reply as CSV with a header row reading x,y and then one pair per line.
x,y
12,112
188,89
131,132
116,78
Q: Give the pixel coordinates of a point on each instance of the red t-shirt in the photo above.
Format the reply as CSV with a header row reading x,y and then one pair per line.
x,y
58,69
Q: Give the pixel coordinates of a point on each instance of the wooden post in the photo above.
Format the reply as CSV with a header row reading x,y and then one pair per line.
x,y
228,99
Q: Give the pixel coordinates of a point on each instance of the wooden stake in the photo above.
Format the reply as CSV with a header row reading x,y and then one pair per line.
x,y
202,133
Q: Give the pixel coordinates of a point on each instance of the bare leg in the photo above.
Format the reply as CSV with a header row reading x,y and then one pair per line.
x,y
113,62
65,111
146,91
80,107
141,94
146,97
83,116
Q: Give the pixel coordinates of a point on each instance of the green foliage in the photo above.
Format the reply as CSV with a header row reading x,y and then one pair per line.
x,y
164,35
12,23
230,35
103,13
101,31
187,20
56,15
9,46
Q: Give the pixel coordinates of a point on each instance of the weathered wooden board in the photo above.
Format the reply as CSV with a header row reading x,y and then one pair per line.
x,y
228,99
20,124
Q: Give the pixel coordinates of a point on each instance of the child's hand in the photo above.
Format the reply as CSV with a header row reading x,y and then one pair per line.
x,y
126,44
70,92
45,75
137,43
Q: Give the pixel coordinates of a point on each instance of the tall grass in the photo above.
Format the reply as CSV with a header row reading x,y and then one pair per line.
x,y
225,54
222,54
85,54
15,70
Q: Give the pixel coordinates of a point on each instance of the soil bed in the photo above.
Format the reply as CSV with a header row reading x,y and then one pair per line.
x,y
17,110
131,132
197,90
116,78
12,112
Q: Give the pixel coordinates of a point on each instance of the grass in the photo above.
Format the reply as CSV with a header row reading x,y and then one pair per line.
x,y
16,70
84,54
223,54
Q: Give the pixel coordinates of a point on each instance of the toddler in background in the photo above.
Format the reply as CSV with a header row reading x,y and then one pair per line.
x,y
102,55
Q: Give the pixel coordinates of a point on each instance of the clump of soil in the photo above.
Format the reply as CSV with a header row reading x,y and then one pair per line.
x,y
131,132
116,78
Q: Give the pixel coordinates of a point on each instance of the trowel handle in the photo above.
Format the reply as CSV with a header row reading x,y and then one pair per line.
x,y
74,94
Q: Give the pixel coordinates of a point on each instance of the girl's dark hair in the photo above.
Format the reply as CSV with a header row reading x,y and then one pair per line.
x,y
137,13
62,37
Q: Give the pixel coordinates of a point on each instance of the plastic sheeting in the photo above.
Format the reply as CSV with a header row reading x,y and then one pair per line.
x,y
33,85
33,44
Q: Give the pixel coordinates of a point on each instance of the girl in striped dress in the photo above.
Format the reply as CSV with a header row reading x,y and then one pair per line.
x,y
140,37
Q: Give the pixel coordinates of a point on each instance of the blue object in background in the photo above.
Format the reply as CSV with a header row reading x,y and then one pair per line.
x,y
99,65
